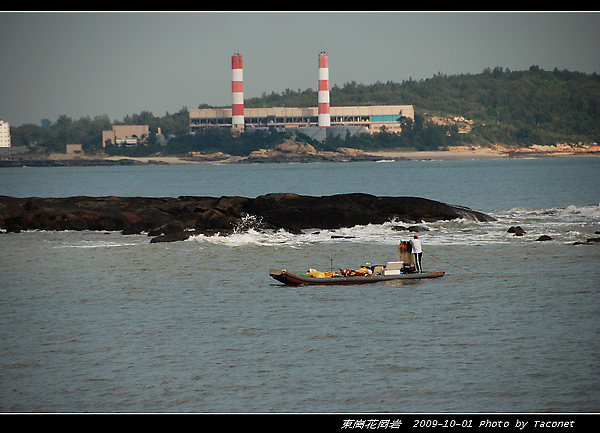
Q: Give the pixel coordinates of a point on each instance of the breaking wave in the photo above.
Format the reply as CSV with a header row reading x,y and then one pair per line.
x,y
563,225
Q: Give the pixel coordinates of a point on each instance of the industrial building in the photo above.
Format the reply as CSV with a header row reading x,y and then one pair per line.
x,y
317,122
370,117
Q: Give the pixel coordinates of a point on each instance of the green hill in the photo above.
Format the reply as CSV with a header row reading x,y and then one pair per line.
x,y
510,107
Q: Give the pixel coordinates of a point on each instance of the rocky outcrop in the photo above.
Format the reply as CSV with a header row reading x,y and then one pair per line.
x,y
589,241
306,153
35,161
518,231
288,151
168,219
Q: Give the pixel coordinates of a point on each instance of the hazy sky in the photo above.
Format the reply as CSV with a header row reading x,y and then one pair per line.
x,y
89,64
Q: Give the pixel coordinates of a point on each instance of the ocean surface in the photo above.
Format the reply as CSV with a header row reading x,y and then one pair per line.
x,y
101,322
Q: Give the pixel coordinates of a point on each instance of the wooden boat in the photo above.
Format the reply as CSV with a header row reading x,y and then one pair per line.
x,y
298,278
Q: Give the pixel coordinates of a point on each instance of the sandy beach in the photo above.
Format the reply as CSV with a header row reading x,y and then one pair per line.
x,y
441,155
496,152
156,159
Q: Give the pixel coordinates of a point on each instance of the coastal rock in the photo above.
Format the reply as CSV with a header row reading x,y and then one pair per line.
x,y
296,147
544,238
168,219
414,228
77,162
518,231
589,241
350,151
171,237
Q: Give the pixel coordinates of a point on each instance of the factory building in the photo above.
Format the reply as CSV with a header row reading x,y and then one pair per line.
x,y
317,122
371,117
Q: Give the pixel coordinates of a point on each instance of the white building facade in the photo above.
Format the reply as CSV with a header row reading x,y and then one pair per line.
x,y
4,134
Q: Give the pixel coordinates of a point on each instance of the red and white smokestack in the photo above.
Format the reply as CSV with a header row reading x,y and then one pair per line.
x,y
237,91
323,94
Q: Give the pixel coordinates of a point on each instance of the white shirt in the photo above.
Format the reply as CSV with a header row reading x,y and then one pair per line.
x,y
416,246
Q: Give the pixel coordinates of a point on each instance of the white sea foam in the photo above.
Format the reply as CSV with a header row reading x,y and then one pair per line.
x,y
92,244
91,239
564,225
587,212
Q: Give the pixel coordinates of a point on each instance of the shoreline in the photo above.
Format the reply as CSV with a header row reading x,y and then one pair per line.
x,y
496,152
457,153
441,155
356,155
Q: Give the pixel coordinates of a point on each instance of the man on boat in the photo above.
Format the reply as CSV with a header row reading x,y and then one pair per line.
x,y
417,251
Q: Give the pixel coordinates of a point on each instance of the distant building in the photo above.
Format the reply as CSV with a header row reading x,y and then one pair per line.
x,y
368,118
74,149
4,134
128,135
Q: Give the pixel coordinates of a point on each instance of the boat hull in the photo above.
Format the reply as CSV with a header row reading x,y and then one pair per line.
x,y
296,279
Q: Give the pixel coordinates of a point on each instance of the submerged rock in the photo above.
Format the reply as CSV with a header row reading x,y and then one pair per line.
x,y
518,231
169,219
171,237
414,228
589,241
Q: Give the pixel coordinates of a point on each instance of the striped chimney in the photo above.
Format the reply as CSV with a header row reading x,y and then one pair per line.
x,y
237,91
323,98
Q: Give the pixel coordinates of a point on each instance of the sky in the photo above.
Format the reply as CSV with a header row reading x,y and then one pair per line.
x,y
121,63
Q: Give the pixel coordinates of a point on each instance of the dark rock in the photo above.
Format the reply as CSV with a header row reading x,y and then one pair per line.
x,y
589,241
176,218
414,228
518,231
46,162
171,237
544,238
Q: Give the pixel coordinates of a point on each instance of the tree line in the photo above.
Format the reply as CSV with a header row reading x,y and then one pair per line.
x,y
533,106
54,136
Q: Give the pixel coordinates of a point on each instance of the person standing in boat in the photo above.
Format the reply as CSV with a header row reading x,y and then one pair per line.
x,y
417,251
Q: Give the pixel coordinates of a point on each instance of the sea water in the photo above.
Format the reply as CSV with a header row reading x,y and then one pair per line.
x,y
102,322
